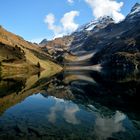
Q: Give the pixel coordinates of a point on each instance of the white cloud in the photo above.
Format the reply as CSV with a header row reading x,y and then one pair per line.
x,y
70,1
68,21
110,8
67,26
50,20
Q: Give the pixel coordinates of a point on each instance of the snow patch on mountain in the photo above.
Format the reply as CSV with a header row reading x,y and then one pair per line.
x,y
135,9
100,22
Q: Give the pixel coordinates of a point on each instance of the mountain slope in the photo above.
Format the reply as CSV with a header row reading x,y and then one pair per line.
x,y
114,45
58,47
16,53
121,45
43,42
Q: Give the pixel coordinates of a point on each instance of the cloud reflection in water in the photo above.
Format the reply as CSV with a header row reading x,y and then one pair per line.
x,y
68,111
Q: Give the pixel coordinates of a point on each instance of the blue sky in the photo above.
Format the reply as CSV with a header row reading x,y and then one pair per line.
x,y
27,17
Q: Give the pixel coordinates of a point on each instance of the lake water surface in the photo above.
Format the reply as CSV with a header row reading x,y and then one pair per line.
x,y
73,105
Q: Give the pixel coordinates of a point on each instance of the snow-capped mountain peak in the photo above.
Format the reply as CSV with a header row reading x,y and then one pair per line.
x,y
100,23
135,9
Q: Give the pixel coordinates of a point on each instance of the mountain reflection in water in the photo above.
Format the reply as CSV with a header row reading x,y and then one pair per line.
x,y
72,105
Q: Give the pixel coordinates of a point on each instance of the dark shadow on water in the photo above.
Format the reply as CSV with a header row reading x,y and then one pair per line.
x,y
9,85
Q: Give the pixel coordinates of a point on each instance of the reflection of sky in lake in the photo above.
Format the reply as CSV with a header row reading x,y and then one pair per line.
x,y
68,111
43,116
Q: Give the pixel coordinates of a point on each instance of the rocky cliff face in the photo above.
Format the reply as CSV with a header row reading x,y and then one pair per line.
x,y
80,44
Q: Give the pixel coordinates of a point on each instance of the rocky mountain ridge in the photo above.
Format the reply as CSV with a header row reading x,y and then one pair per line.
x,y
113,44
43,42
